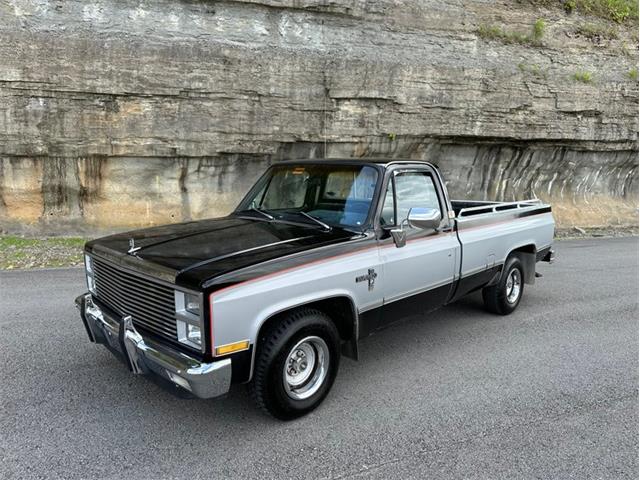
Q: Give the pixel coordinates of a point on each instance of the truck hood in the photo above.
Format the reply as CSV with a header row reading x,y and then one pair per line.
x,y
192,253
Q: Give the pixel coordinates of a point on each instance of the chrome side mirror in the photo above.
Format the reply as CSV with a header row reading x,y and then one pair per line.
x,y
424,218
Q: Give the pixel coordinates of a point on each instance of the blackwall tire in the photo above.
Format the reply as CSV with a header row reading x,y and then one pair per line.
x,y
297,360
504,297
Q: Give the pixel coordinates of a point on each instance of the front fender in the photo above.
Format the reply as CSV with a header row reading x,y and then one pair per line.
x,y
289,303
237,312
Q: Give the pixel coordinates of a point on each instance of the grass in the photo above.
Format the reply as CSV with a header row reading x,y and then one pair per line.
x,y
538,29
633,74
22,252
620,11
583,76
22,242
532,69
596,32
493,32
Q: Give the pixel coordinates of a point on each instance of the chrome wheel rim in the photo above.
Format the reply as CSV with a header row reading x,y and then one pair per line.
x,y
305,368
513,286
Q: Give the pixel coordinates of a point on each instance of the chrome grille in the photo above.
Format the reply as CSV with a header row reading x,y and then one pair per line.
x,y
150,304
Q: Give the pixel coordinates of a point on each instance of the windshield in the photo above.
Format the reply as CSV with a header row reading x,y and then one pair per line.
x,y
336,195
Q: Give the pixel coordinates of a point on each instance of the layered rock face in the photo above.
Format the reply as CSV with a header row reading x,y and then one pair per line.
x,y
117,114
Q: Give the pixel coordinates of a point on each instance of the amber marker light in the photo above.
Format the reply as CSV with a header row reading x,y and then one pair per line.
x,y
232,347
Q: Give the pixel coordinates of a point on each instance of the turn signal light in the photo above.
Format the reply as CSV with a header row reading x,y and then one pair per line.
x,y
232,347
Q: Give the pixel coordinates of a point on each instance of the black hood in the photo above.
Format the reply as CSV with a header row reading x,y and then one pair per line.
x,y
192,253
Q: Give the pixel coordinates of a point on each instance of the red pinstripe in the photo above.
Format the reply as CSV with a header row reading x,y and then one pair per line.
x,y
322,260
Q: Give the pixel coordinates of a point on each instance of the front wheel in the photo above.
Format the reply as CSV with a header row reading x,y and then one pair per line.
x,y
296,363
504,297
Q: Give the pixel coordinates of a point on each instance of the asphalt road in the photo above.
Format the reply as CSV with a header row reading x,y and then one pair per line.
x,y
548,392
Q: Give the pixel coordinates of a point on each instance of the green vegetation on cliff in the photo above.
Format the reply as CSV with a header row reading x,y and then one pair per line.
x,y
584,77
616,10
493,32
619,11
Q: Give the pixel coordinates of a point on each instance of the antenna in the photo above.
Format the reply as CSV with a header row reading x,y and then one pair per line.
x,y
325,93
325,122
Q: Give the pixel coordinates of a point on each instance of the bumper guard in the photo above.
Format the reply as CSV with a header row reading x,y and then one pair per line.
x,y
144,356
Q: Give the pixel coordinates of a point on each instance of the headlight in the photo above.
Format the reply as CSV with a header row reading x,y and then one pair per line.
x,y
193,334
189,333
188,320
192,303
88,265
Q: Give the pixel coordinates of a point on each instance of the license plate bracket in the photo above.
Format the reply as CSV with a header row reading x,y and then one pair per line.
x,y
114,341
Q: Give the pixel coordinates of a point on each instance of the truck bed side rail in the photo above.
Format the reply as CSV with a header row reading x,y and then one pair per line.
x,y
495,207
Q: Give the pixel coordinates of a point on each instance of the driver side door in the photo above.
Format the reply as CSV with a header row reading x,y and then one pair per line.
x,y
419,275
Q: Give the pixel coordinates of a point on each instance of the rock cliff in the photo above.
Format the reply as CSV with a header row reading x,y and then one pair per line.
x,y
117,113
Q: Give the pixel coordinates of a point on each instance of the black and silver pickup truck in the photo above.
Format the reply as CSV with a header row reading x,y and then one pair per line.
x,y
318,255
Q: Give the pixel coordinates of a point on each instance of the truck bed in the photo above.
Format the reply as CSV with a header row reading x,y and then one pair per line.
x,y
489,231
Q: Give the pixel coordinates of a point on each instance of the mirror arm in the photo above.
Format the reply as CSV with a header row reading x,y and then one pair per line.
x,y
399,235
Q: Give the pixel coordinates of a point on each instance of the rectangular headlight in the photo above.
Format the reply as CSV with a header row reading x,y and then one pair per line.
x,y
192,303
188,318
193,334
189,333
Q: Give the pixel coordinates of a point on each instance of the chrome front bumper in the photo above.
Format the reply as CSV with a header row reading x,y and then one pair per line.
x,y
144,356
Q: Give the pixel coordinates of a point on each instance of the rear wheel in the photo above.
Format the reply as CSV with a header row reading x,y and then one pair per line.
x,y
504,297
296,363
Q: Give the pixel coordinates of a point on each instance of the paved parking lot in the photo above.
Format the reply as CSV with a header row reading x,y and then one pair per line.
x,y
548,392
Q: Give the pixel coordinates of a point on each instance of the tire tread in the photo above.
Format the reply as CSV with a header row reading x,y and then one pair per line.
x,y
267,350
494,297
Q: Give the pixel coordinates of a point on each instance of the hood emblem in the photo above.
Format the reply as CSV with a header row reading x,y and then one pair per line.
x,y
132,247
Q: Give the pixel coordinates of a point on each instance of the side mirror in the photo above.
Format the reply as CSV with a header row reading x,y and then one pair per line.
x,y
424,218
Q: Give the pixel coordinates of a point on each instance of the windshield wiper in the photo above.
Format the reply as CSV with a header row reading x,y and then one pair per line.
x,y
322,224
262,212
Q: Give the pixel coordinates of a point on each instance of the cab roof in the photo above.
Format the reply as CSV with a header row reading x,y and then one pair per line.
x,y
380,162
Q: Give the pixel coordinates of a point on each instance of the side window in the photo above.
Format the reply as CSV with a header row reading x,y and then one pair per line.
x,y
415,189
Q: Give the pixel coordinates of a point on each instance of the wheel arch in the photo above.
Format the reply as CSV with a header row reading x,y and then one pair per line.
x,y
527,255
340,308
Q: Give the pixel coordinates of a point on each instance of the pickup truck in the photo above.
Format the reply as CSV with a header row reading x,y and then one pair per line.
x,y
318,255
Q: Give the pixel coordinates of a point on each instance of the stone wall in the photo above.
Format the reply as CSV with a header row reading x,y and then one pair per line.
x,y
115,114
